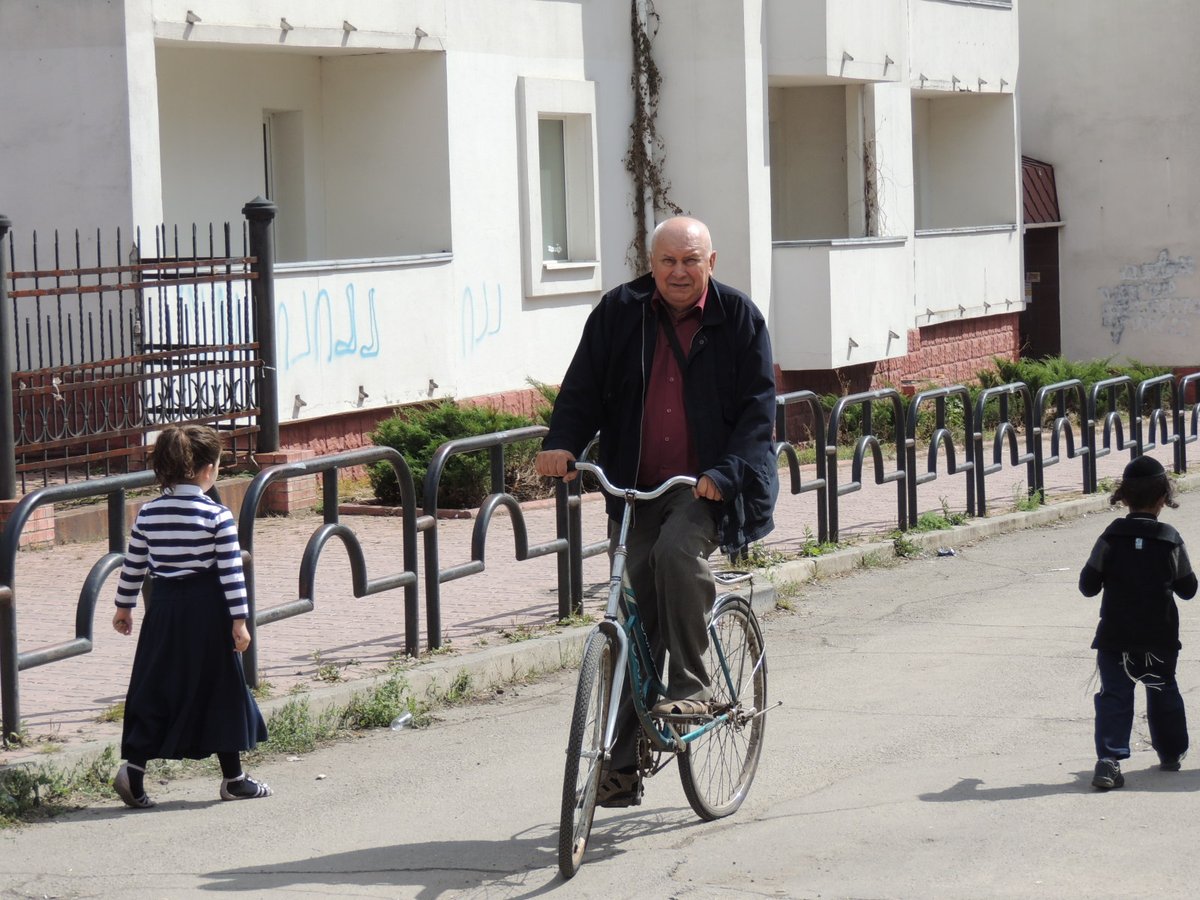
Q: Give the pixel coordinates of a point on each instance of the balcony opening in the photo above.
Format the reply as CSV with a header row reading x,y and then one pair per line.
x,y
964,161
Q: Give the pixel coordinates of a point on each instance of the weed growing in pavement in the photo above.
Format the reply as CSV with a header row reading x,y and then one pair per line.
x,y
460,689
904,546
294,728
114,713
262,690
786,593
377,707
577,620
939,521
31,791
519,632
1106,485
811,547
759,556
1023,501
328,672
876,559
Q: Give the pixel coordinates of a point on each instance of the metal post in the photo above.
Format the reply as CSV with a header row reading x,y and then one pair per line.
x,y
260,213
8,445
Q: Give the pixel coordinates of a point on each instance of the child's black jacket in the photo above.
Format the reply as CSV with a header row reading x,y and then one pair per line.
x,y
1141,564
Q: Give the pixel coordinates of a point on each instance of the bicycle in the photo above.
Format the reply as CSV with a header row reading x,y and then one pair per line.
x,y
718,752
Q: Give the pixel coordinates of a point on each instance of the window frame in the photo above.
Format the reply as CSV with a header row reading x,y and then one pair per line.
x,y
573,102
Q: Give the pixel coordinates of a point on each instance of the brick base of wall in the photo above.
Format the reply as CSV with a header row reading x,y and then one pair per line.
x,y
938,355
293,494
39,527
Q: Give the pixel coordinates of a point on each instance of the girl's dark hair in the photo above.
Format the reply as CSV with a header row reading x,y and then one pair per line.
x,y
1145,491
183,450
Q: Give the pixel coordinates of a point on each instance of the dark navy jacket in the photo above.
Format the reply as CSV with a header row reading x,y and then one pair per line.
x,y
729,394
1140,563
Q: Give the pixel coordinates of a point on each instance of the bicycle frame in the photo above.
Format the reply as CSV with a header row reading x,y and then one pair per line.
x,y
623,624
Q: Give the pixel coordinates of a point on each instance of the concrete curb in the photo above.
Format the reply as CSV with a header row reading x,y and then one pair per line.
x,y
843,561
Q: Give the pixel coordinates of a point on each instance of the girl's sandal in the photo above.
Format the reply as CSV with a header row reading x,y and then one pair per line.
x,y
125,792
243,788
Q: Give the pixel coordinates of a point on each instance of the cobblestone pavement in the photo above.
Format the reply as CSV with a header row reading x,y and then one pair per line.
x,y
346,638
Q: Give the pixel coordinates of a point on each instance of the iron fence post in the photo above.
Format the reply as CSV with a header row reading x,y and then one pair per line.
x,y
8,447
260,213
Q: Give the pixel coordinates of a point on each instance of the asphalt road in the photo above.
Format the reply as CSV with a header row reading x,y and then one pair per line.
x,y
935,741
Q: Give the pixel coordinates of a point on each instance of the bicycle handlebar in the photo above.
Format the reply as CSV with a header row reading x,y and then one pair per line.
x,y
592,468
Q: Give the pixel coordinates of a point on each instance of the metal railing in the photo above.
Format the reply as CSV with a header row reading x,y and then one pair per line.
x,y
785,450
1113,410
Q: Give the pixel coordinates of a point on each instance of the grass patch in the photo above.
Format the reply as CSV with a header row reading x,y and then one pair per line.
x,y
876,559
1024,501
786,595
759,556
114,713
518,633
33,791
939,521
904,546
811,547
577,620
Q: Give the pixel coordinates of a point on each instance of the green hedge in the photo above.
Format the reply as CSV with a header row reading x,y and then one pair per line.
x,y
466,478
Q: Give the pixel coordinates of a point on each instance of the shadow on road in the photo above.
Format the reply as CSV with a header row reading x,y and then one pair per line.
x,y
1148,781
526,865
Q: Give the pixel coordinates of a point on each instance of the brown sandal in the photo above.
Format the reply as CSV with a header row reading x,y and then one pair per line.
x,y
619,789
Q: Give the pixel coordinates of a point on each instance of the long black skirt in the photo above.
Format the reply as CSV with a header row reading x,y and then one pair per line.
x,y
187,695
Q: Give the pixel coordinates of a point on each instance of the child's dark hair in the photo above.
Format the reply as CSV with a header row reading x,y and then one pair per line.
x,y
1143,484
183,450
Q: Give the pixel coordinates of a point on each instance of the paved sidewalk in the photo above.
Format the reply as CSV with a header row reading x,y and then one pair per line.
x,y
62,703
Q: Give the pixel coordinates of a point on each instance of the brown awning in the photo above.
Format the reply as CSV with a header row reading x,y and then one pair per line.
x,y
1041,196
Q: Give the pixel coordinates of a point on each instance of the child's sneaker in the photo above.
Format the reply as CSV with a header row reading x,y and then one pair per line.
x,y
1108,775
243,788
1172,763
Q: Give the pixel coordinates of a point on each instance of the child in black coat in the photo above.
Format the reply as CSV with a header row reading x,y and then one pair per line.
x,y
1140,563
187,695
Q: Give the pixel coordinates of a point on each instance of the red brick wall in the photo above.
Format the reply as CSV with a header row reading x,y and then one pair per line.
x,y
938,355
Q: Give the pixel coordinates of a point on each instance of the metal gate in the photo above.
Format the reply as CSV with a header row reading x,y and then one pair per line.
x,y
104,352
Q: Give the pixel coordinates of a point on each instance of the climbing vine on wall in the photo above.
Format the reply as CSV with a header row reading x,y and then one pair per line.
x,y
647,153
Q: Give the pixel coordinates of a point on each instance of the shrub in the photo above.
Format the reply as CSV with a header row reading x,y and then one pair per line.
x,y
466,478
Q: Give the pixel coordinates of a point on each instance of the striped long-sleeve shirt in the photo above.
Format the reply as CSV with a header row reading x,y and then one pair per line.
x,y
184,532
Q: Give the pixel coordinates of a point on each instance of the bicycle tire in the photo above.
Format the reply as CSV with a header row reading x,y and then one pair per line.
x,y
585,753
717,769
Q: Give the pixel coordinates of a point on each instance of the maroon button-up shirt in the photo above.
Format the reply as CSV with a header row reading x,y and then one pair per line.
x,y
666,440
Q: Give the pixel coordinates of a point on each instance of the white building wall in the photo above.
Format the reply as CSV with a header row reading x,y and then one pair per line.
x,y
65,150
713,119
1108,98
405,275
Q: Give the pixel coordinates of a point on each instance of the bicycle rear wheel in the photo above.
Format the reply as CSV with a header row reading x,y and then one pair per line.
x,y
585,752
717,768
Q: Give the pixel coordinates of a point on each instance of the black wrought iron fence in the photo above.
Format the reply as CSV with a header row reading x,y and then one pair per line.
x,y
102,352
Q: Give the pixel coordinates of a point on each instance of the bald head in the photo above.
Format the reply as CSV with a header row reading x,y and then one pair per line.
x,y
681,261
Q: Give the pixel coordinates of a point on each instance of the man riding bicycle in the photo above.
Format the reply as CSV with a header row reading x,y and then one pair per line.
x,y
674,370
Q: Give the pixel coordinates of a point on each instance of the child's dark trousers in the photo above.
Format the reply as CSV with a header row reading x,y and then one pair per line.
x,y
1114,703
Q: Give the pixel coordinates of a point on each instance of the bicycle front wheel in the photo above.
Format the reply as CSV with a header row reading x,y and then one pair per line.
x,y
585,752
717,768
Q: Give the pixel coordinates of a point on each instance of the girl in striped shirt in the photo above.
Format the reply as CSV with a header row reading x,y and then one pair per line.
x,y
187,694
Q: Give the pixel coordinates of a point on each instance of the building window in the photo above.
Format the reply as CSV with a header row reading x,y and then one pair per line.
x,y
561,226
552,163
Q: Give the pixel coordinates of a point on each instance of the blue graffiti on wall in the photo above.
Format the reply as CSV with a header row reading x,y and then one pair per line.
x,y
320,346
481,319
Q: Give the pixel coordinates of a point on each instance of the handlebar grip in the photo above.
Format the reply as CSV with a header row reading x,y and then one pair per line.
x,y
570,465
